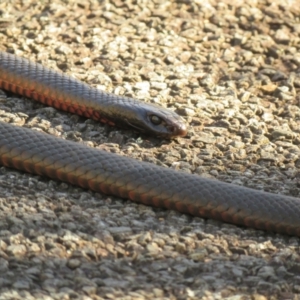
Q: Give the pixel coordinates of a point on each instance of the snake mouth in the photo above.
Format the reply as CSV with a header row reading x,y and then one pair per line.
x,y
170,131
134,126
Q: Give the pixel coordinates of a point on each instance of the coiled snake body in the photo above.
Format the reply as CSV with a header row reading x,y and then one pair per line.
x,y
45,155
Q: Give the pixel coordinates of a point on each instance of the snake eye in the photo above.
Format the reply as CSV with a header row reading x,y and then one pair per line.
x,y
155,120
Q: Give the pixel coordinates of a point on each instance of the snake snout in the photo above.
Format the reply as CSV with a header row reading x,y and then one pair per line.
x,y
179,130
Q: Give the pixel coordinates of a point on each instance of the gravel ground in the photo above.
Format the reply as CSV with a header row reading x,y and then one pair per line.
x,y
231,69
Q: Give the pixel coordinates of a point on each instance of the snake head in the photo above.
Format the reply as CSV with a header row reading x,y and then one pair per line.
x,y
157,121
145,117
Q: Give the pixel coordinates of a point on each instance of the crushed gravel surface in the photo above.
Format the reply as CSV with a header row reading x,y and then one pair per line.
x,y
232,70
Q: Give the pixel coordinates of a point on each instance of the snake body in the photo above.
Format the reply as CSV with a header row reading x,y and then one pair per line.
x,y
90,168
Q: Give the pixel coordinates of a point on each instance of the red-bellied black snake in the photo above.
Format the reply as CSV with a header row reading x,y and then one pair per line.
x,y
90,168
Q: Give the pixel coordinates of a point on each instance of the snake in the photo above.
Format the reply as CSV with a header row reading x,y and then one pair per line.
x,y
108,173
